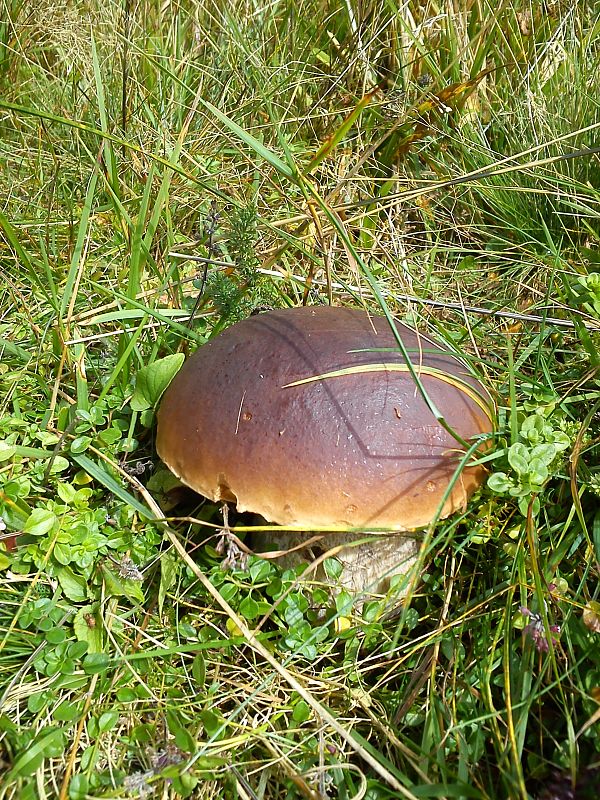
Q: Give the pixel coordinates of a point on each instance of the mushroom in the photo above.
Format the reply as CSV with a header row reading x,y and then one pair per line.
x,y
310,417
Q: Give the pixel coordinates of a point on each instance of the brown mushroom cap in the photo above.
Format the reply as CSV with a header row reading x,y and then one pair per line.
x,y
256,417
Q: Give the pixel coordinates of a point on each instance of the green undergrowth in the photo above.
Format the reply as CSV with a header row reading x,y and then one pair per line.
x,y
170,168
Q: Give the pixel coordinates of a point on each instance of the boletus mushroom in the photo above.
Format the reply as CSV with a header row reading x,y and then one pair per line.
x,y
311,418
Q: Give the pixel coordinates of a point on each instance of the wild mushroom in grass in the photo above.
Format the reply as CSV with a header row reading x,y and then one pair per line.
x,y
311,418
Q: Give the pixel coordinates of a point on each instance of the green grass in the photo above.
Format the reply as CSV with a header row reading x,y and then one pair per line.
x,y
461,196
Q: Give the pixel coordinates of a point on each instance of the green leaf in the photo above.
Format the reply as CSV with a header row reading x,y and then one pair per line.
x,y
66,712
7,451
89,757
56,636
185,741
343,602
248,608
7,724
74,586
212,722
333,568
152,380
80,444
260,570
524,505
96,663
147,418
229,592
173,721
87,626
40,522
500,483
544,454
169,569
518,458
126,695
78,787
301,711
116,586
184,784
183,738
77,649
534,428
62,553
199,670
107,721
142,734
60,464
560,440
38,700
66,492
538,472
110,435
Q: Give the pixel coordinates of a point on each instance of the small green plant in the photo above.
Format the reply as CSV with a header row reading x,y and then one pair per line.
x,y
303,615
242,288
590,296
531,461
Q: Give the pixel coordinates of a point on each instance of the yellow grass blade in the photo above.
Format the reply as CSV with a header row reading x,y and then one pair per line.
x,y
432,372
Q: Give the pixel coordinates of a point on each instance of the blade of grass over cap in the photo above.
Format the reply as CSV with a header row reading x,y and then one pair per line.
x,y
422,369
373,284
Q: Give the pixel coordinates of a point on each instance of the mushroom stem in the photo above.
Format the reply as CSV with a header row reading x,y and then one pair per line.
x,y
368,566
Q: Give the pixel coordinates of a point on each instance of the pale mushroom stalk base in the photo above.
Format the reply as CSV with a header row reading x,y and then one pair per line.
x,y
368,567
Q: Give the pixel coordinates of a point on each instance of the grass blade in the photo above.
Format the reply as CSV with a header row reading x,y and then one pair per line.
x,y
103,477
251,141
336,137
